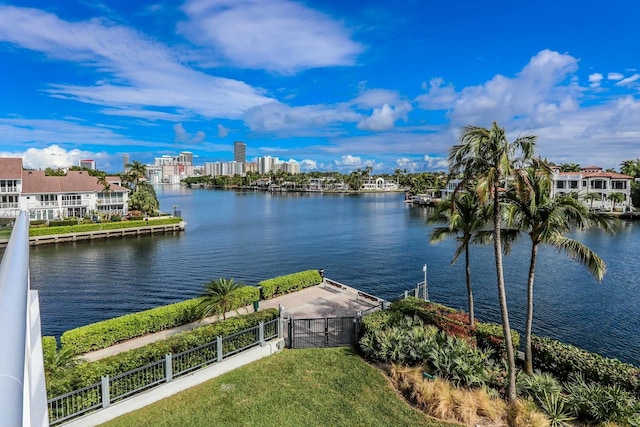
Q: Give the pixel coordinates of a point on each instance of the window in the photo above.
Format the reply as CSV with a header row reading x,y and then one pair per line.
x,y
573,185
560,184
599,185
619,185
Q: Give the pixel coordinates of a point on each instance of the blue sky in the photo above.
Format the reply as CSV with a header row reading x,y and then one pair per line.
x,y
334,85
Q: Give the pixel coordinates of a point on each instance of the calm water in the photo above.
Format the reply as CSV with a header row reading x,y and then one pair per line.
x,y
373,242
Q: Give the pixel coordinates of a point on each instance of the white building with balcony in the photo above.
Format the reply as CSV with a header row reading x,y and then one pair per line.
x,y
49,197
592,179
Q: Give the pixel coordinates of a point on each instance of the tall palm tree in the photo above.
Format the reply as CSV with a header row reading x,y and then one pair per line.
x,y
546,219
136,171
487,157
220,296
616,197
590,197
467,217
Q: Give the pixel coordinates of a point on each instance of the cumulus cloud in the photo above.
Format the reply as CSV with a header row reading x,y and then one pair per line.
x,y
615,76
308,165
438,97
181,135
276,35
55,156
384,118
138,74
595,80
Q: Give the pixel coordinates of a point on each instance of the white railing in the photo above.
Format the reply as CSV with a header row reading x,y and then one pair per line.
x,y
9,205
8,189
22,391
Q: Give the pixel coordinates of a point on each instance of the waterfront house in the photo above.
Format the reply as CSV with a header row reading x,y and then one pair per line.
x,y
75,194
592,179
379,184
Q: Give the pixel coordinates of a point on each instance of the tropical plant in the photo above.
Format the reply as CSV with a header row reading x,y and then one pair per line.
x,y
570,167
464,217
485,157
556,408
135,173
590,197
616,197
218,298
547,220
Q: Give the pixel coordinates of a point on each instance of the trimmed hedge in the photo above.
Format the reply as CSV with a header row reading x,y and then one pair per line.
x,y
74,227
88,373
289,283
112,331
561,360
49,344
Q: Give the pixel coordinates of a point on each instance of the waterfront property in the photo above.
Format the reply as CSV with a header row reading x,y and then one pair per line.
x,y
592,179
52,197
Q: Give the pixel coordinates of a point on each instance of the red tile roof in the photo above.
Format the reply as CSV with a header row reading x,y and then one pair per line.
x,y
10,168
74,182
610,175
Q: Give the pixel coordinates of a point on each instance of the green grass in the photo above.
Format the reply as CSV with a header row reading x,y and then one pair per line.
x,y
315,387
45,231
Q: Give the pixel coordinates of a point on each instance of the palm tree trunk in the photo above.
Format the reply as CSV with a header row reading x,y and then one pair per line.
x,y
469,290
502,296
528,353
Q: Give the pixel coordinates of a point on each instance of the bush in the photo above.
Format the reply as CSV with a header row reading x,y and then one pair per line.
x,y
108,332
38,223
116,218
563,360
289,283
88,373
491,335
63,222
444,318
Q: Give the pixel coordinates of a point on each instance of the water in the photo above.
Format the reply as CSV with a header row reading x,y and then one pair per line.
x,y
373,242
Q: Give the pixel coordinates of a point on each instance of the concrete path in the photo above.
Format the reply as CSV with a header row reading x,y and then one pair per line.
x,y
325,300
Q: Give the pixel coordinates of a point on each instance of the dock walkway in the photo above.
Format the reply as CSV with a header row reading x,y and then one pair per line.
x,y
329,299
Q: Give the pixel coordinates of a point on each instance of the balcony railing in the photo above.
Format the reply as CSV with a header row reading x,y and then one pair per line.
x,y
8,189
10,205
72,203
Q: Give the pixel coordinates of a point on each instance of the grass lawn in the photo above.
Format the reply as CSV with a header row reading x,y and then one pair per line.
x,y
314,387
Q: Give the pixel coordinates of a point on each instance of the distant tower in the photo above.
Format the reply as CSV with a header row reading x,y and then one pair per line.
x,y
239,152
88,163
125,159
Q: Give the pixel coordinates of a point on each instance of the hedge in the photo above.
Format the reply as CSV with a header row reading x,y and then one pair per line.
x,y
289,283
491,335
72,226
561,360
112,331
88,373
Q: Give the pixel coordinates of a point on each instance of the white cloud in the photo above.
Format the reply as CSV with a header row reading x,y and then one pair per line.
x,y
615,76
55,156
307,119
308,165
439,97
276,35
595,79
136,71
629,80
353,162
372,98
384,118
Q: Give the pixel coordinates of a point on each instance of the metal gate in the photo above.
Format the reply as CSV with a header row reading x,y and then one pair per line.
x,y
322,332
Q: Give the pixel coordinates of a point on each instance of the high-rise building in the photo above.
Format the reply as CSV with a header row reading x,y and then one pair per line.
x,y
125,160
239,152
89,164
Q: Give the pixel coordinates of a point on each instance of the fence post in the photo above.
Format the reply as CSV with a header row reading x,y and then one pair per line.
x,y
415,291
106,394
168,367
261,334
280,325
219,347
406,294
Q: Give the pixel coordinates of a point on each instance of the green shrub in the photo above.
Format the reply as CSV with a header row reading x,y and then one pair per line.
x,y
88,373
563,360
289,283
491,335
49,344
116,218
444,318
375,321
38,223
111,331
63,222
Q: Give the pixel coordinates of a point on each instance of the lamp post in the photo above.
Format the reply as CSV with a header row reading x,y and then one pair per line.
x,y
175,209
426,291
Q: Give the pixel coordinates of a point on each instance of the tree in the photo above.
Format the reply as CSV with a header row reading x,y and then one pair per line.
x,y
532,210
136,172
569,167
616,197
102,180
632,168
486,157
590,197
144,199
467,217
220,296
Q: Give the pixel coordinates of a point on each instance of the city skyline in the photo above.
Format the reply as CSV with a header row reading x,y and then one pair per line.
x,y
330,85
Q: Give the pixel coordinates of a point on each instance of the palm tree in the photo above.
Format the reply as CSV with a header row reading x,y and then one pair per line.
x,y
616,197
102,180
590,197
137,171
488,158
463,222
532,210
570,167
220,296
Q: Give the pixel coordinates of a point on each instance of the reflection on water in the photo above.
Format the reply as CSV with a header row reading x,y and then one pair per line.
x,y
374,242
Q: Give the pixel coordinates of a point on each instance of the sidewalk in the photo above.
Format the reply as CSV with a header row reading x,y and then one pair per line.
x,y
316,301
